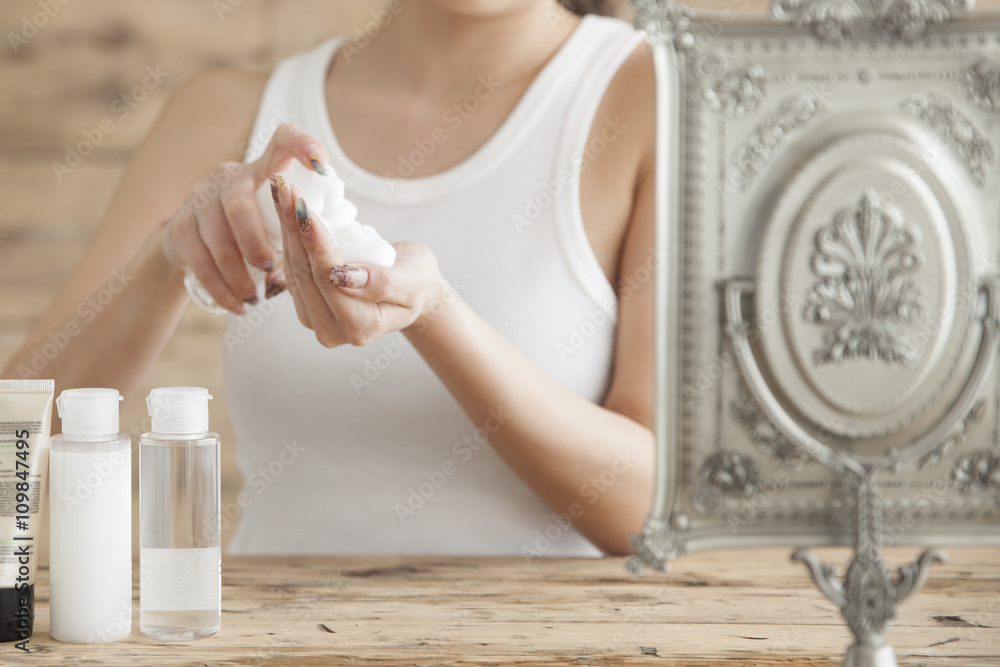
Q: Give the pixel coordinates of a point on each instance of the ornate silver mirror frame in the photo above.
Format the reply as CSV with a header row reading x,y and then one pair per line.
x,y
827,324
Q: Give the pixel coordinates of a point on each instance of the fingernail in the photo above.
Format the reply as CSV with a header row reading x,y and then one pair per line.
x,y
317,164
280,191
349,276
274,288
252,300
274,188
268,267
302,215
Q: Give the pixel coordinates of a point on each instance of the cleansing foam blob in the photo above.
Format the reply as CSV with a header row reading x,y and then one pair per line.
x,y
357,243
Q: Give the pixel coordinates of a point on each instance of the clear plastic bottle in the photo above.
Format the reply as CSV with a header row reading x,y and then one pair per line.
x,y
180,557
90,523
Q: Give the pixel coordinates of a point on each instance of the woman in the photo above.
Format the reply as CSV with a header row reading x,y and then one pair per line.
x,y
491,393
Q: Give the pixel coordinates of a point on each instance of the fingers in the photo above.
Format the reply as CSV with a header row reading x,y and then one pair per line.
x,y
221,243
316,240
275,283
287,269
290,143
299,271
382,284
186,241
239,203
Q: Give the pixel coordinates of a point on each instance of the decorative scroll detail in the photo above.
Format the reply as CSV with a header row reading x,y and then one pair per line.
x,y
978,472
957,130
982,85
869,594
874,21
665,20
732,473
766,435
736,93
732,93
756,151
954,439
707,499
658,544
863,259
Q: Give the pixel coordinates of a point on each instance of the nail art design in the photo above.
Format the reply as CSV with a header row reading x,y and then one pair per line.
x,y
281,192
302,215
268,267
318,166
252,300
348,276
274,288
274,188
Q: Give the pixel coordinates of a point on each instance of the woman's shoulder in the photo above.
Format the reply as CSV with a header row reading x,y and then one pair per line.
x,y
218,106
630,99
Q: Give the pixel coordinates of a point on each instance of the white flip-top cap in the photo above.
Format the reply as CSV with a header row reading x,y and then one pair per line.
x,y
89,411
177,410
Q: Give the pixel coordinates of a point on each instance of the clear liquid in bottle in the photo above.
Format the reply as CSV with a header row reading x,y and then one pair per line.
x,y
179,507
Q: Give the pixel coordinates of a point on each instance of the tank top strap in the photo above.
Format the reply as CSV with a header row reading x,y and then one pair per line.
x,y
605,56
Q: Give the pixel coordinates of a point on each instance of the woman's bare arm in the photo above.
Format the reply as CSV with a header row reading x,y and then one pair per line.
x,y
206,121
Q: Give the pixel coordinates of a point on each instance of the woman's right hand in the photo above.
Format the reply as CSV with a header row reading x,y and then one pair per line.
x,y
219,229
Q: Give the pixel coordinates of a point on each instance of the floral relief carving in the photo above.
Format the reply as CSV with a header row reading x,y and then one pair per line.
x,y
978,472
891,21
866,294
957,130
757,149
982,84
766,435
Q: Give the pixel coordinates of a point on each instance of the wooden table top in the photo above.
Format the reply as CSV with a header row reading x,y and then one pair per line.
x,y
749,607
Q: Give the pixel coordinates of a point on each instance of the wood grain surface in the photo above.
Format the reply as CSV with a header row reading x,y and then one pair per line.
x,y
726,608
74,72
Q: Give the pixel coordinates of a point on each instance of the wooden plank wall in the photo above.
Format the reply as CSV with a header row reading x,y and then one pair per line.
x,y
65,80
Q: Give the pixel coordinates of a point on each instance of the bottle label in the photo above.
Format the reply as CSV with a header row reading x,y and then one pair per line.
x,y
180,579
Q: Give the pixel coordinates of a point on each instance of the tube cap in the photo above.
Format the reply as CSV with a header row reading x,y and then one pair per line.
x,y
177,410
89,411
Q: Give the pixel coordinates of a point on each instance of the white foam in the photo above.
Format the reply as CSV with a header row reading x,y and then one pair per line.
x,y
324,195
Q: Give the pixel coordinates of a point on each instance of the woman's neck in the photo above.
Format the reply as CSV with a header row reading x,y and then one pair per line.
x,y
428,48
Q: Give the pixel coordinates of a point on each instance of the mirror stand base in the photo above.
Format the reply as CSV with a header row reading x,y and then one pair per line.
x,y
863,655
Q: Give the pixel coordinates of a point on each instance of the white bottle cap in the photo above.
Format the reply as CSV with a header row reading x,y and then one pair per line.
x,y
177,410
89,411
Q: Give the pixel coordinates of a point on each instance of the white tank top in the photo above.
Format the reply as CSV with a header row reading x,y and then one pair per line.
x,y
363,450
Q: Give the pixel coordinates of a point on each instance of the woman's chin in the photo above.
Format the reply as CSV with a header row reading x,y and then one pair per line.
x,y
487,8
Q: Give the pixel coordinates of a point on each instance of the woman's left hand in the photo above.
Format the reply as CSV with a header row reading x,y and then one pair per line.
x,y
352,304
